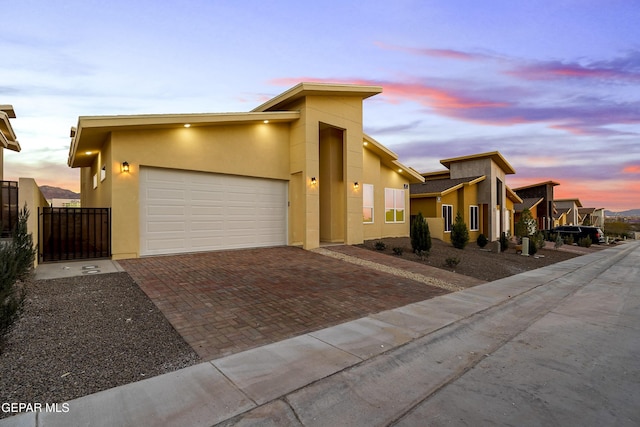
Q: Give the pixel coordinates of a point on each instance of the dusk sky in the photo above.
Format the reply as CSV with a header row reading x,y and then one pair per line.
x,y
553,85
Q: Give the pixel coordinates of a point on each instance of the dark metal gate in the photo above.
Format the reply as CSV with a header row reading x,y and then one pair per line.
x,y
8,207
74,233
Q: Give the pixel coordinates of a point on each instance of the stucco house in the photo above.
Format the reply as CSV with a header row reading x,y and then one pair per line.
x,y
473,185
8,189
592,216
570,209
296,170
541,195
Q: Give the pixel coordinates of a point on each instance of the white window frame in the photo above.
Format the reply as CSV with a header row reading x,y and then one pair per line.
x,y
474,220
103,173
447,214
365,189
397,194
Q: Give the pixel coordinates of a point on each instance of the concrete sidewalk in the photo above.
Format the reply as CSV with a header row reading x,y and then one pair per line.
x,y
557,345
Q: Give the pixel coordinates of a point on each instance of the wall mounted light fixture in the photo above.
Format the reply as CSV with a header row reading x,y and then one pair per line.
x,y
125,167
313,180
356,185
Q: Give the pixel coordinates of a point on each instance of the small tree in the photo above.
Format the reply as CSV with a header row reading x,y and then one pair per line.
x,y
526,225
25,253
420,235
459,233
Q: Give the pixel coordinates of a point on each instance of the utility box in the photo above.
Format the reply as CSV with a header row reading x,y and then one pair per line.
x,y
525,246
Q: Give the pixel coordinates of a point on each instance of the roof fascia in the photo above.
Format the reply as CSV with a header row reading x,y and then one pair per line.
x,y
390,159
540,184
309,88
104,125
493,155
513,196
8,136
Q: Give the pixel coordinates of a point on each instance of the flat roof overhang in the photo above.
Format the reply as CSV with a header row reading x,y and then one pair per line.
x,y
318,89
7,135
390,159
493,155
92,131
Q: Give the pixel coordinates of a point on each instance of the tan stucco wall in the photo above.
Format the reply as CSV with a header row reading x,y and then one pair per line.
x,y
381,177
29,194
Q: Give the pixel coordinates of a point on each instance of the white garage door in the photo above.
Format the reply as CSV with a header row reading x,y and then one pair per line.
x,y
183,211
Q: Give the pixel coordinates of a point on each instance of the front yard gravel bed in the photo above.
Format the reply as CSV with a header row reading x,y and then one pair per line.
x,y
81,335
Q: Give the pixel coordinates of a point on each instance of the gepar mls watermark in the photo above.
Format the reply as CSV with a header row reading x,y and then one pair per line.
x,y
20,407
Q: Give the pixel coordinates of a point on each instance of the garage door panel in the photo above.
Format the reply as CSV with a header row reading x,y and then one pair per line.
x,y
183,211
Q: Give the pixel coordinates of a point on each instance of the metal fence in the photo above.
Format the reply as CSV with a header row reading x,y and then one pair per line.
x,y
74,233
9,211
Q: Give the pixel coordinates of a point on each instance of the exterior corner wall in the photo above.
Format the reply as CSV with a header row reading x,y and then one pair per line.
x,y
29,195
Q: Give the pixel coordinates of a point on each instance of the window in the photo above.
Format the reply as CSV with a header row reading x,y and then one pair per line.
x,y
103,173
95,181
393,205
367,203
474,219
447,214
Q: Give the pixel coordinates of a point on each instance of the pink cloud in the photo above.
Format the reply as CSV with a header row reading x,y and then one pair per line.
x,y
634,169
438,53
443,101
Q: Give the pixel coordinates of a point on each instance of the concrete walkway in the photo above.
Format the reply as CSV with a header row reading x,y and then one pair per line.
x,y
60,270
554,346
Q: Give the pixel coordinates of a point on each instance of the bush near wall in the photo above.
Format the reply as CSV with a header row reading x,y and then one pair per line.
x,y
16,263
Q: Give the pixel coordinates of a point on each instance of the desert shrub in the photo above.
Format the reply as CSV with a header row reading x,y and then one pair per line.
x,y
422,254
568,240
558,241
538,239
420,235
397,251
585,242
452,262
379,245
16,262
459,233
25,253
482,240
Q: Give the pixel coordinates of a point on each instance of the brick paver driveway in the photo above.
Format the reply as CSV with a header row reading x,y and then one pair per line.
x,y
229,301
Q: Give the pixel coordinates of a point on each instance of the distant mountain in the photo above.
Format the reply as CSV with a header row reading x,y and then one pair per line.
x,y
58,193
631,212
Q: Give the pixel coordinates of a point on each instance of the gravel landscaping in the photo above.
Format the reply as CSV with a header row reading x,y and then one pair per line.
x,y
474,261
81,335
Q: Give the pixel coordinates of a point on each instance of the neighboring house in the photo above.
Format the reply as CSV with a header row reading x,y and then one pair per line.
x,y
8,189
8,138
16,194
570,207
297,170
545,208
592,216
64,203
474,186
